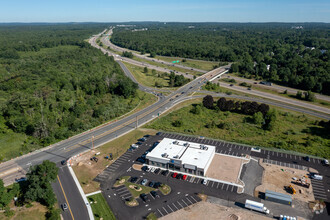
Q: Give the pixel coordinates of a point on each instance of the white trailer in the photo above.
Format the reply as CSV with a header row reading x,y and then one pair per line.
x,y
257,206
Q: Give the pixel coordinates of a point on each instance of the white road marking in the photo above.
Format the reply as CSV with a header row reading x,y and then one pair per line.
x,y
175,206
218,185
222,186
160,212
165,210
190,201
170,208
227,187
179,204
184,202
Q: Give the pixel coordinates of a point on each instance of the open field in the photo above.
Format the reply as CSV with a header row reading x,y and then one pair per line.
x,y
198,64
214,211
100,207
147,79
292,131
87,170
36,212
225,168
276,178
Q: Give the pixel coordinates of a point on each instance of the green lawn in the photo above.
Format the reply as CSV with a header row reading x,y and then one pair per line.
x,y
11,145
198,64
293,131
148,79
100,208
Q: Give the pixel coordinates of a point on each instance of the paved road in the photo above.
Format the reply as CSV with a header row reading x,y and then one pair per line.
x,y
277,98
67,192
278,87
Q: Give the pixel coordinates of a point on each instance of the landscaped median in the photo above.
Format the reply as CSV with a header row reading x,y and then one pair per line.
x,y
100,207
136,189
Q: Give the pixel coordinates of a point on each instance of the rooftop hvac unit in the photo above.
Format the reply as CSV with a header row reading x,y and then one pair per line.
x,y
165,155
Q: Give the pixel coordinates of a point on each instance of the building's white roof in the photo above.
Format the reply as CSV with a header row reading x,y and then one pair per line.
x,y
188,152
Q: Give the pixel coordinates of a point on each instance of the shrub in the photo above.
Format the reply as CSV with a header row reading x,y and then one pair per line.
x,y
177,123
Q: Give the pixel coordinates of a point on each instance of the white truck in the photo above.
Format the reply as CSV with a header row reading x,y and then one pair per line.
x,y
257,206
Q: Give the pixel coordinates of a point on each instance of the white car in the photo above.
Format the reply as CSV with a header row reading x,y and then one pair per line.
x,y
204,182
153,169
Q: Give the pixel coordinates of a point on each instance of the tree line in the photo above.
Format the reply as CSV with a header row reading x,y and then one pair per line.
x,y
56,92
261,112
274,51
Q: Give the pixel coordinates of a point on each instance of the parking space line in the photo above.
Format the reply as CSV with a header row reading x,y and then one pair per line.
x,y
208,182
189,201
212,184
192,179
218,185
170,208
179,204
227,187
184,202
175,206
160,212
232,188
165,210
222,185
193,198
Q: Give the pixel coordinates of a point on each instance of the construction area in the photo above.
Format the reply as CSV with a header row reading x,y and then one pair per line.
x,y
286,180
226,168
214,211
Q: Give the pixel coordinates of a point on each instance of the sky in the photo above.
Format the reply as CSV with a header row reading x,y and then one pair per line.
x,y
165,10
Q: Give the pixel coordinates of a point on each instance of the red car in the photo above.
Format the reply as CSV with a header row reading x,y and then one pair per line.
x,y
184,177
174,175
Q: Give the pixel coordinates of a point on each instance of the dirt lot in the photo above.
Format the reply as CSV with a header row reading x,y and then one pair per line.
x,y
225,168
86,170
201,210
275,179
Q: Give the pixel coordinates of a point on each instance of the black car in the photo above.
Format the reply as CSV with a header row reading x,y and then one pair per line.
x,y
157,185
133,179
158,133
144,168
63,162
165,172
139,143
141,160
179,176
152,183
307,158
157,171
144,197
154,194
146,136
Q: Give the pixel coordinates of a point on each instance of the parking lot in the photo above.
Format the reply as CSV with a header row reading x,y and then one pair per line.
x,y
221,146
174,206
123,192
290,165
318,189
198,181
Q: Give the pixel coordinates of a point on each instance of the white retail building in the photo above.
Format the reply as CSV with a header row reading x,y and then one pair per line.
x,y
182,156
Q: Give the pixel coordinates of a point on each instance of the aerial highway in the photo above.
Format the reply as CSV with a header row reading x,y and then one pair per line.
x,y
65,149
106,41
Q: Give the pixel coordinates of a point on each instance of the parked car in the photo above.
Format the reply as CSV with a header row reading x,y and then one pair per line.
x,y
133,179
158,133
157,171
204,181
152,183
148,170
154,194
165,172
144,197
179,176
153,169
64,206
325,162
63,162
144,182
146,136
144,168
307,158
142,139
141,160
184,177
174,175
157,185
20,179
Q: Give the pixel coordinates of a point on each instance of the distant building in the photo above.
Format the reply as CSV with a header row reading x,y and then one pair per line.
x,y
182,156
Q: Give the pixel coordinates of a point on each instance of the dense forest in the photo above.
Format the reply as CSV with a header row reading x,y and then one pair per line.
x,y
295,55
53,84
